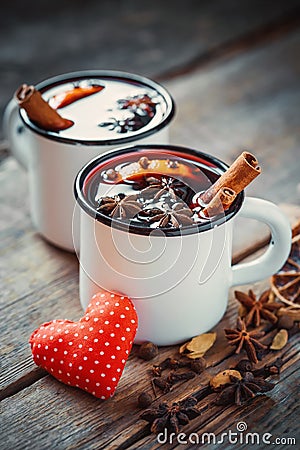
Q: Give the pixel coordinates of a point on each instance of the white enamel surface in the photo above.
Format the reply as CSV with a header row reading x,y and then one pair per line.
x,y
179,285
52,167
161,275
16,133
275,256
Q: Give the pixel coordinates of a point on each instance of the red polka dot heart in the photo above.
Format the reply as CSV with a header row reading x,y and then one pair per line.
x,y
89,354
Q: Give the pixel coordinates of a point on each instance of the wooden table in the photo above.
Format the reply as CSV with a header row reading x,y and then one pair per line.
x,y
242,91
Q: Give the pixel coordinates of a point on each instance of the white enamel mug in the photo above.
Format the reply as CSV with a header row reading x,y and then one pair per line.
x,y
178,280
53,160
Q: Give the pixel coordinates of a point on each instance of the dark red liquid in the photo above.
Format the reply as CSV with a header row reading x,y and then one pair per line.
x,y
106,107
181,178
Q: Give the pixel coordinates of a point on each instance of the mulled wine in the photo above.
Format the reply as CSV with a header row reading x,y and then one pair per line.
x,y
154,188
107,107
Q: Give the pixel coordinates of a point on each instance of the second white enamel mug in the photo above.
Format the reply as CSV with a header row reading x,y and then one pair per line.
x,y
53,160
178,281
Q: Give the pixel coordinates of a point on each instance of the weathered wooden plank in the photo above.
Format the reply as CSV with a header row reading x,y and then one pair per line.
x,y
100,414
40,282
77,420
54,296
89,423
148,38
58,298
27,262
34,273
262,415
275,413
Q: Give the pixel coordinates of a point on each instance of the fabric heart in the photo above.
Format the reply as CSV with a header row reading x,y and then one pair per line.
x,y
89,354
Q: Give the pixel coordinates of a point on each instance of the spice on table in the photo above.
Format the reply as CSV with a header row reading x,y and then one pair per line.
x,y
290,311
244,339
257,309
148,351
168,363
241,390
171,417
174,377
198,346
280,340
286,283
144,400
244,365
268,370
198,365
223,378
285,322
163,384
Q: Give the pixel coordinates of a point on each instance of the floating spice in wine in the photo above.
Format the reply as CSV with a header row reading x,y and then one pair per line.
x,y
220,202
39,111
168,190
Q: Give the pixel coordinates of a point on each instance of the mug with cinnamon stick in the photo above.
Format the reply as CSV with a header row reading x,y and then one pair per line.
x,y
157,226
57,126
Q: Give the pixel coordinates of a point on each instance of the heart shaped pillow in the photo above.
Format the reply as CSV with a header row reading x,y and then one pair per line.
x,y
89,354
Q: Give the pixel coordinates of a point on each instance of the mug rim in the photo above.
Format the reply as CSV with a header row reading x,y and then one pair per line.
x,y
83,74
143,230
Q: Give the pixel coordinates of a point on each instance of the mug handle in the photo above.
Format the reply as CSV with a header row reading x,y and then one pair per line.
x,y
15,132
279,248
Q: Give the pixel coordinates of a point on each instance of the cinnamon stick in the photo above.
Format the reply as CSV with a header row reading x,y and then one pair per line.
x,y
220,202
39,111
243,170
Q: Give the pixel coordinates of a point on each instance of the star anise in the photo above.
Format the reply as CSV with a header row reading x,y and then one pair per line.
x,y
245,339
171,417
241,390
142,104
120,206
147,214
175,216
257,309
165,186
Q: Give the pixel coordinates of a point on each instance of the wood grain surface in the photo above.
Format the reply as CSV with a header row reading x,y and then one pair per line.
x,y
234,75
75,419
